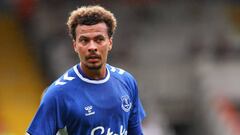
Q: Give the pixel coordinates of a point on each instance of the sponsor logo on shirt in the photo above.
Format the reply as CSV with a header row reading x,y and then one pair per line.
x,y
108,131
89,110
126,103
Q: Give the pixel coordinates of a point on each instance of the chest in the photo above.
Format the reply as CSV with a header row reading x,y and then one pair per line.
x,y
94,105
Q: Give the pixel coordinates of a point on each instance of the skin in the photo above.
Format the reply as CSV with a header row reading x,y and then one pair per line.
x,y
92,45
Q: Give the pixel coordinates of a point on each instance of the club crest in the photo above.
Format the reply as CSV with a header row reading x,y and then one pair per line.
x,y
126,103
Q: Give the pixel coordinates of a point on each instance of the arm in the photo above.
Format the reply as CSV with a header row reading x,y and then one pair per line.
x,y
136,116
135,121
48,118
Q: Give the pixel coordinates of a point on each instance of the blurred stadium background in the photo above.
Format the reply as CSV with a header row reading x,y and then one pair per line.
x,y
184,54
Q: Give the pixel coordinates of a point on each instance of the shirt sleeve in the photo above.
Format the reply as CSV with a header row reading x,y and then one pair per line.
x,y
136,116
49,117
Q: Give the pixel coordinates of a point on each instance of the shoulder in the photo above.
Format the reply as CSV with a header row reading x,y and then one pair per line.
x,y
61,85
122,75
65,79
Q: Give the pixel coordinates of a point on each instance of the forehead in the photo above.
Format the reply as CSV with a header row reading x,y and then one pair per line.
x,y
91,30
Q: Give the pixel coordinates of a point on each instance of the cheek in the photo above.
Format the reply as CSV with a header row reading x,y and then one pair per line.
x,y
75,48
103,50
105,53
79,51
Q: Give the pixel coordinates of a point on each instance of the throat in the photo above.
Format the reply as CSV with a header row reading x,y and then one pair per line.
x,y
94,74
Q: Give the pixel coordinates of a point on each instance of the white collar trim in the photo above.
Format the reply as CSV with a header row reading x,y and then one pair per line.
x,y
91,81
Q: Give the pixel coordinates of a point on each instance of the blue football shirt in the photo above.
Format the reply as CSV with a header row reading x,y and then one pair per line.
x,y
110,106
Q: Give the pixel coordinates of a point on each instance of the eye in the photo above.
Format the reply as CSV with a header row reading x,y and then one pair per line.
x,y
99,39
83,40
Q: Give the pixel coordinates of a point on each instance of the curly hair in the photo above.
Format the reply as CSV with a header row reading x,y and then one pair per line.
x,y
91,15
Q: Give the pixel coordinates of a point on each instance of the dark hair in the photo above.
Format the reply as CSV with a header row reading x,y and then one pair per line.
x,y
91,15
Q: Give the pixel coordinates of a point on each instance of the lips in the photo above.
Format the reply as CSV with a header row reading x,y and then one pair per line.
x,y
93,58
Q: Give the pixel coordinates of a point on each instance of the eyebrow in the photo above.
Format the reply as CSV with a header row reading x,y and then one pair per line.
x,y
97,36
83,37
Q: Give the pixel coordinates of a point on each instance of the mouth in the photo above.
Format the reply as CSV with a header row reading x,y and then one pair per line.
x,y
93,58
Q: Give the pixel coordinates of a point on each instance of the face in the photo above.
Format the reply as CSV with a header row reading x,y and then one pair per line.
x,y
92,45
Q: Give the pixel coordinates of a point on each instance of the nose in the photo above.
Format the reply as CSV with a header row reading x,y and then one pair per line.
x,y
92,46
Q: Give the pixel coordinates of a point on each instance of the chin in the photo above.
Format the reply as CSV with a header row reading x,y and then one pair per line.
x,y
94,66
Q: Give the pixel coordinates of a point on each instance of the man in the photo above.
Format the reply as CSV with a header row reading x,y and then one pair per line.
x,y
93,97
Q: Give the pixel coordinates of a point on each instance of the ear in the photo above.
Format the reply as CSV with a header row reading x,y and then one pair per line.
x,y
110,44
74,45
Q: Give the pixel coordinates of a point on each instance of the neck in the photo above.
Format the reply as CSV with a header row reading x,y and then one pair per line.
x,y
95,74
